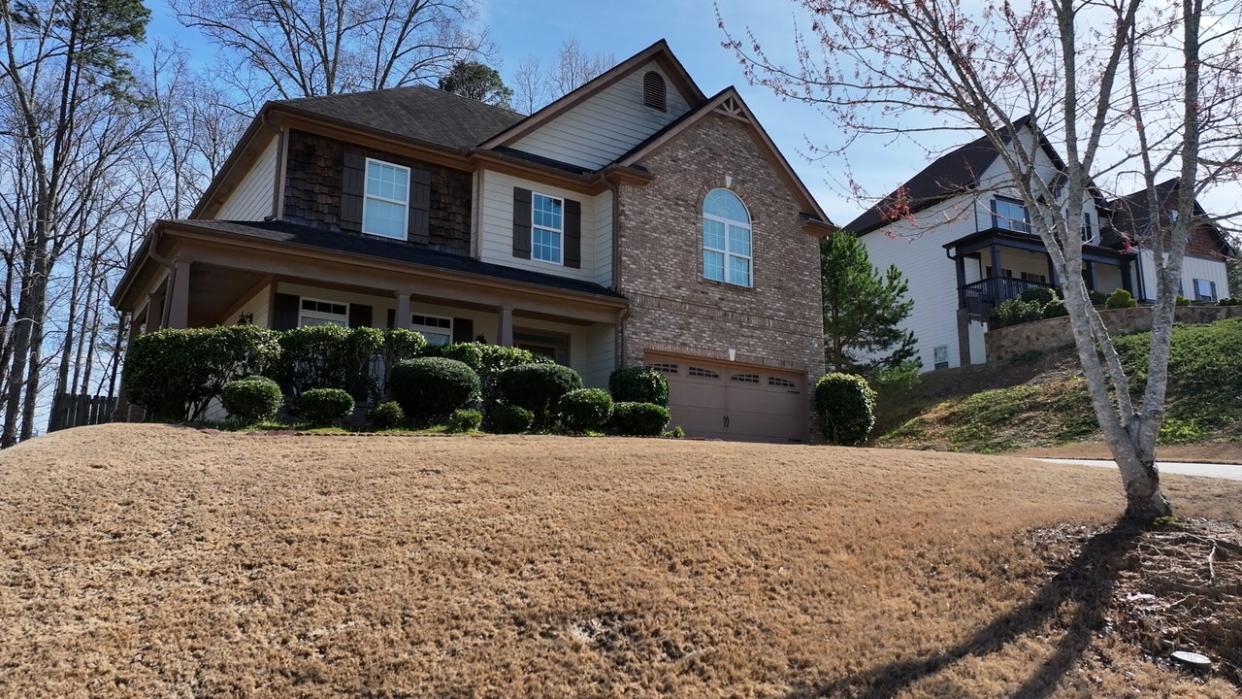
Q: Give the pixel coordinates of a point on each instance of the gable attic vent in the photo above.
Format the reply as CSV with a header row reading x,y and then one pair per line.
x,y
654,93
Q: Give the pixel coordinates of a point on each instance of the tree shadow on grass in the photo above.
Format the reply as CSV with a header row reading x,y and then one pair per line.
x,y
1087,581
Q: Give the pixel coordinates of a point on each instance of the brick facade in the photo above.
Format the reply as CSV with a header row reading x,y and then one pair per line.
x,y
778,321
313,190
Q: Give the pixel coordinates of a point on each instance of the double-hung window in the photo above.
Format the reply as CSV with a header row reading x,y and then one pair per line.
x,y
547,228
726,239
316,312
386,206
1010,214
1205,290
437,330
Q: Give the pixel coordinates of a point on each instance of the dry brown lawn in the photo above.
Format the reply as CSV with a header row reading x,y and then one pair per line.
x,y
144,560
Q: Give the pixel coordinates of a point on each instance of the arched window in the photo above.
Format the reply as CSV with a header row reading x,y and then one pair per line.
x,y
654,93
726,238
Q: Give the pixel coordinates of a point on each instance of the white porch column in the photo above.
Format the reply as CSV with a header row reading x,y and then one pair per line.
x,y
179,296
504,330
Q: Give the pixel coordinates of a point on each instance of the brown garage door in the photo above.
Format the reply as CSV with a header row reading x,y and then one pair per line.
x,y
723,401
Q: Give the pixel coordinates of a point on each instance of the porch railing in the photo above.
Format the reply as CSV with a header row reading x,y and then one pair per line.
x,y
979,298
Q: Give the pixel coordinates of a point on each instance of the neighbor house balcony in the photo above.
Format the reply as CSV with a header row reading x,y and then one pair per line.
x,y
998,264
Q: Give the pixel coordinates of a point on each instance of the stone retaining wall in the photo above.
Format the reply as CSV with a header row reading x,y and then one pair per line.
x,y
1054,333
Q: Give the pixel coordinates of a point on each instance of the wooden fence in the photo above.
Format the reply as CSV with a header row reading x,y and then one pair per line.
x,y
70,410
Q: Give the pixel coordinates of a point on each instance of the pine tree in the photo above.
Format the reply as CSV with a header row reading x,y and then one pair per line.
x,y
863,309
478,82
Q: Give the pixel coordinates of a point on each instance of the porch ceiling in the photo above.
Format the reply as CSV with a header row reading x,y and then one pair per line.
x,y
979,240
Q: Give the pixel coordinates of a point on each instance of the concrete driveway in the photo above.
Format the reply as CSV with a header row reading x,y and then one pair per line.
x,y
1232,472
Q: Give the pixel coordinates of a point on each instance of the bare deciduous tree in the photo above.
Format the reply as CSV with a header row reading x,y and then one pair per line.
x,y
1080,74
305,48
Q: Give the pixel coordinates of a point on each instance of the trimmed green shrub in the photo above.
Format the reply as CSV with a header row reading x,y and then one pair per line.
x,y
509,419
1181,300
636,384
1015,311
1039,294
537,387
489,360
465,420
386,415
400,344
845,405
585,409
1098,298
328,356
175,372
638,419
676,433
252,399
1055,309
1120,298
324,407
1230,301
429,388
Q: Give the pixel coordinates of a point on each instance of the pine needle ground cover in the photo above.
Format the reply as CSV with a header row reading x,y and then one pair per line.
x,y
146,560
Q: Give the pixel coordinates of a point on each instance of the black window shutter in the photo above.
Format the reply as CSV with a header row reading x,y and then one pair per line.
x,y
285,311
353,187
359,315
521,223
463,330
420,206
392,318
573,233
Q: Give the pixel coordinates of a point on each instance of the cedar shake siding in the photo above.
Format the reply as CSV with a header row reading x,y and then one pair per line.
x,y
314,193
777,321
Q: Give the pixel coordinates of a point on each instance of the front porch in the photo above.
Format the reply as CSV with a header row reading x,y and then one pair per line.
x,y
995,265
188,279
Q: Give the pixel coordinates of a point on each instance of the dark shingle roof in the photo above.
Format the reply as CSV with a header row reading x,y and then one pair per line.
x,y
952,173
1131,214
292,233
419,112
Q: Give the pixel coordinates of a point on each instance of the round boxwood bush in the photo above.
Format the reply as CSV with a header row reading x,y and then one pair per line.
x,y
1120,298
386,415
509,419
638,384
537,387
430,388
322,407
845,405
1040,294
252,399
585,409
1055,309
638,419
465,420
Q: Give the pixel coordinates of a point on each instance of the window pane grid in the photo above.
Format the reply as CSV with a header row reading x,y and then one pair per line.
x,y
726,239
386,199
547,227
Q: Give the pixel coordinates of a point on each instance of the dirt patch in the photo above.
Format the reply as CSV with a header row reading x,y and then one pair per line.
x,y
144,560
1172,588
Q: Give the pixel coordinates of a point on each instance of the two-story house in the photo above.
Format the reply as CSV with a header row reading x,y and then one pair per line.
x,y
635,221
960,233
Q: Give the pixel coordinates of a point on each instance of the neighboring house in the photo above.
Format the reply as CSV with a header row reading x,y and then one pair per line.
x,y
965,242
635,221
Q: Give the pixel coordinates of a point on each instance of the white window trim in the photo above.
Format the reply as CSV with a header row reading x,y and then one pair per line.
x,y
560,231
321,315
424,329
405,205
750,259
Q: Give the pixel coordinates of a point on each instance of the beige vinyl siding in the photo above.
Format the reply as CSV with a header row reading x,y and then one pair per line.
x,y
252,199
496,229
257,307
600,357
605,125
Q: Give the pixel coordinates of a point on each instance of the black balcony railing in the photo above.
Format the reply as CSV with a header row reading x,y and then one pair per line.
x,y
979,298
